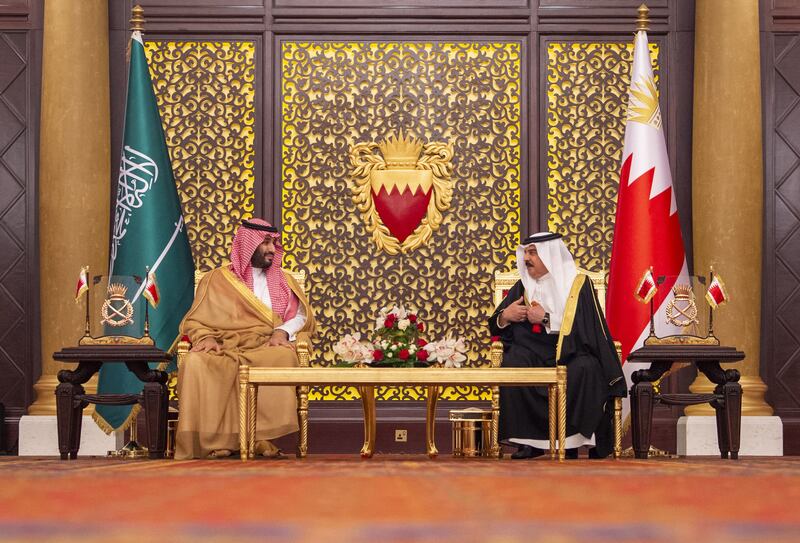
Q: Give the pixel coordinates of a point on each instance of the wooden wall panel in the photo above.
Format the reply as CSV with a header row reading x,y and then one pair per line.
x,y
780,346
20,72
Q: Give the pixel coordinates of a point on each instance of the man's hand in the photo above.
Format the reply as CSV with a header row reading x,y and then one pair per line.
x,y
206,345
516,312
280,339
535,313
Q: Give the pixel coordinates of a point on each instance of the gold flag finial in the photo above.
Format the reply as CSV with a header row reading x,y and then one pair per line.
x,y
137,18
642,21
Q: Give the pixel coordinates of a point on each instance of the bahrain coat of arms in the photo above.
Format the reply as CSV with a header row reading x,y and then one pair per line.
x,y
402,187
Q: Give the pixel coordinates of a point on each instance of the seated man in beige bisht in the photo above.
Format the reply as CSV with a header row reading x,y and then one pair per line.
x,y
246,313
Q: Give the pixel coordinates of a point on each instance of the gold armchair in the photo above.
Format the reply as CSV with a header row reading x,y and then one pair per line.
x,y
503,281
303,356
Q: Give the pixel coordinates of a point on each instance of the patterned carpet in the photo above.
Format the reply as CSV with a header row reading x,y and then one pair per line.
x,y
398,499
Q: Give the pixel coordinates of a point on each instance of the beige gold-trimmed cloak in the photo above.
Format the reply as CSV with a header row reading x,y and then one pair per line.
x,y
226,310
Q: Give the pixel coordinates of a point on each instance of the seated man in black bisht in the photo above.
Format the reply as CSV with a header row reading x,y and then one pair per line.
x,y
552,315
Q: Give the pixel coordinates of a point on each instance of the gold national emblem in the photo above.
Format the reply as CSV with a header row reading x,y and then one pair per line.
x,y
117,310
402,187
682,309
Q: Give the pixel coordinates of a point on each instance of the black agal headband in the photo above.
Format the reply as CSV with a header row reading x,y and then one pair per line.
x,y
540,237
261,227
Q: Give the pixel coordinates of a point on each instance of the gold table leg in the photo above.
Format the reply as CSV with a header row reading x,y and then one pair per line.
x,y
430,426
561,376
252,402
303,359
496,360
302,413
244,376
368,400
552,403
495,452
617,427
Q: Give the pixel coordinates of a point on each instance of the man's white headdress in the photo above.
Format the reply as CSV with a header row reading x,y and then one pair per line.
x,y
551,290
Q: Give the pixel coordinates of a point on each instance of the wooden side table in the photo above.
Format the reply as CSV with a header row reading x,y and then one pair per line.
x,y
71,397
726,398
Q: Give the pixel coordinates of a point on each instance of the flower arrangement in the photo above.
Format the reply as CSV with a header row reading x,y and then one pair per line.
x,y
396,342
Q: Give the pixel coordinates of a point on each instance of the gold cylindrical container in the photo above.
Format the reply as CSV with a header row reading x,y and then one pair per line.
x,y
471,432
470,437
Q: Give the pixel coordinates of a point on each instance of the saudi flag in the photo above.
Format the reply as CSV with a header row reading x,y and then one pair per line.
x,y
148,231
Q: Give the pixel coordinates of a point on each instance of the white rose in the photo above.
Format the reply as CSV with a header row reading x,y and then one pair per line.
x,y
403,324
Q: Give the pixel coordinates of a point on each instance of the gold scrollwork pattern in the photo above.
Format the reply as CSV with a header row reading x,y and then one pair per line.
x,y
206,94
335,94
587,96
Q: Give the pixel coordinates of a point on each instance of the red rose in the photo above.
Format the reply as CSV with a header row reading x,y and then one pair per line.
x,y
495,338
389,322
377,355
412,318
403,354
420,327
421,342
422,355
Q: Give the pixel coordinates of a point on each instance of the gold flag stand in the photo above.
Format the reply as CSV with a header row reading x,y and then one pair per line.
x,y
131,450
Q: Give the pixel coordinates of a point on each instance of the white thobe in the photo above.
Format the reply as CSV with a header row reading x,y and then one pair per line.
x,y
261,290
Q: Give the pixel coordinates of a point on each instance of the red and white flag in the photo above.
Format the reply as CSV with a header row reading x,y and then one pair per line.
x,y
151,290
646,232
647,287
716,294
83,283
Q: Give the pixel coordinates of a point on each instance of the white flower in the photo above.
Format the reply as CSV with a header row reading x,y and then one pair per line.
x,y
351,349
449,352
403,324
400,312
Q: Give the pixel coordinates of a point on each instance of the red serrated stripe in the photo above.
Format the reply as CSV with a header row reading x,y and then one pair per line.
x,y
645,234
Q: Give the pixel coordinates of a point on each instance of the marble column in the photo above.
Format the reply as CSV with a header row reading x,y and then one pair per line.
x,y
74,173
727,181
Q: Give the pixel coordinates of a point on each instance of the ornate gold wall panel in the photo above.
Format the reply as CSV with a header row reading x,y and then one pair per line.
x,y
587,96
206,95
336,93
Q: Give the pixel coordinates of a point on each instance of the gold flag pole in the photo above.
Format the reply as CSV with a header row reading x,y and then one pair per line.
x,y
710,308
87,327
643,21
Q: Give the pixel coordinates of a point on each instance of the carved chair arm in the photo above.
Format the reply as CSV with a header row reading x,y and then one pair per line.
x,y
304,349
181,350
496,354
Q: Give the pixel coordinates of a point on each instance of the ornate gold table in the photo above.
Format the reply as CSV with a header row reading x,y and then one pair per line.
x,y
366,379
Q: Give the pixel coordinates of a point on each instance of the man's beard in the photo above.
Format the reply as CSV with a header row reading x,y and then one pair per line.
x,y
262,263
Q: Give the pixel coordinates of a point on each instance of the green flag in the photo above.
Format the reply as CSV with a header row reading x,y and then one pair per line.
x,y
148,231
